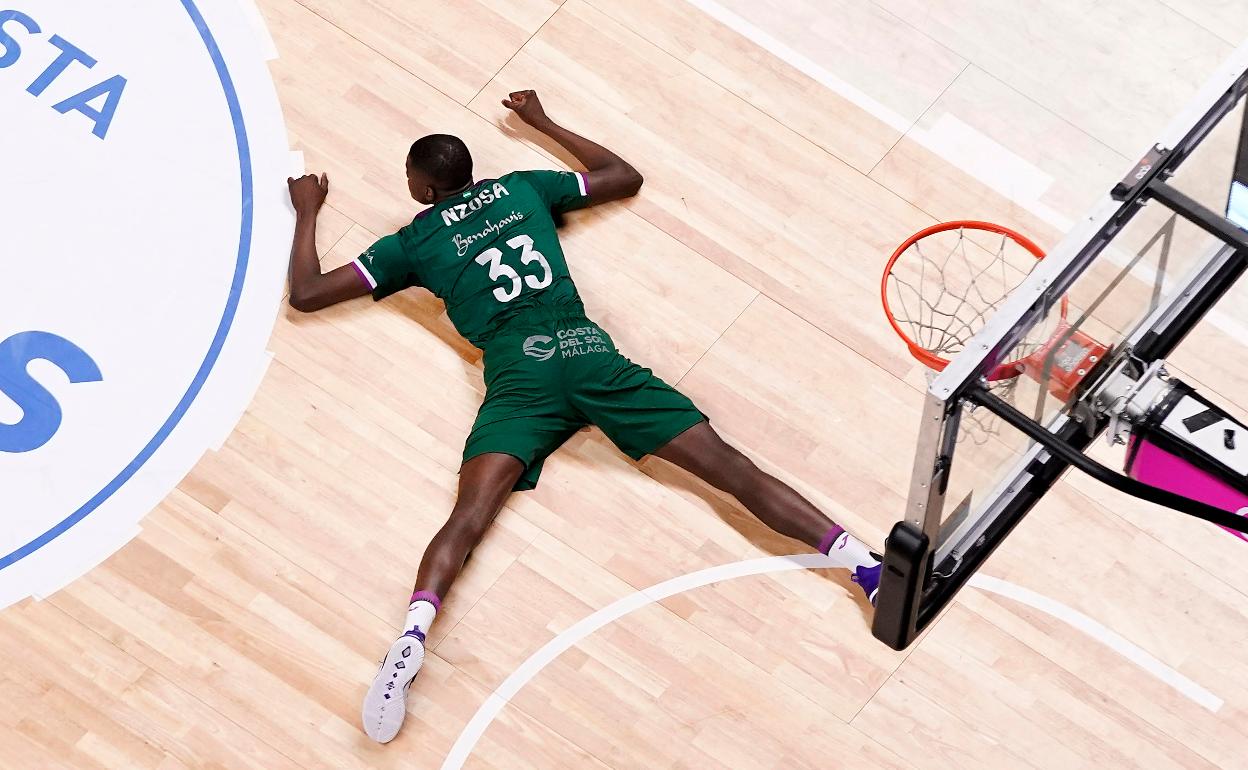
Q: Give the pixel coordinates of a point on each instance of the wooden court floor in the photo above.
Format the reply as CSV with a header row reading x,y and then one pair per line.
x,y
788,146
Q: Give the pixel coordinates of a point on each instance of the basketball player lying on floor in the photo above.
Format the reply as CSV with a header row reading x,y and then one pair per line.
x,y
490,251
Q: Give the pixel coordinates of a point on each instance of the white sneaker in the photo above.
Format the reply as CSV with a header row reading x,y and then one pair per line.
x,y
385,703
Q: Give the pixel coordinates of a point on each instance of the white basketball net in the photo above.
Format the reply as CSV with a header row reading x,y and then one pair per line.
x,y
943,290
946,286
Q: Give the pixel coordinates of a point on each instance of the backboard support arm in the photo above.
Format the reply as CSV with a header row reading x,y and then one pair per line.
x,y
1125,484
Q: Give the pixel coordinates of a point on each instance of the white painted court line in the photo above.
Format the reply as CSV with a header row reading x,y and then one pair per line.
x,y
999,169
530,668
1100,633
803,64
544,656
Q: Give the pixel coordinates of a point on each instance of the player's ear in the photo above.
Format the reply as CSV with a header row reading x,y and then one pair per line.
x,y
429,195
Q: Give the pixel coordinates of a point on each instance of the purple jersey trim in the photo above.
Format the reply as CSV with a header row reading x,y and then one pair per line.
x,y
363,274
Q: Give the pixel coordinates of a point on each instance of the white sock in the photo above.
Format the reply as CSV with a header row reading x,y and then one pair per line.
x,y
420,614
853,549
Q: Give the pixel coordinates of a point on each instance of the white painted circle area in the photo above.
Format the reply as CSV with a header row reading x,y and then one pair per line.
x,y
138,239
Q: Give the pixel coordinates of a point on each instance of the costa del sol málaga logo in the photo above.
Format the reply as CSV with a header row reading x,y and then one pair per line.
x,y
143,227
533,347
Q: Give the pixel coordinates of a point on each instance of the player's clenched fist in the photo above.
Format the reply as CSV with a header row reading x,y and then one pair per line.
x,y
527,106
308,192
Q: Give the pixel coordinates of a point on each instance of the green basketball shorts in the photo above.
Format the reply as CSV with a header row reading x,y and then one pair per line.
x,y
552,378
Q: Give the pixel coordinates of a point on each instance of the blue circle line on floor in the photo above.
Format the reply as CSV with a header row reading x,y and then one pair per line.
x,y
223,328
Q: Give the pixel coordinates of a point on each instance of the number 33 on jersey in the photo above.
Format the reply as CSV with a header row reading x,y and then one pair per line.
x,y
490,252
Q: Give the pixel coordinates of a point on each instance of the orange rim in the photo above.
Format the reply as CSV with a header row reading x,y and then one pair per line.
x,y
927,357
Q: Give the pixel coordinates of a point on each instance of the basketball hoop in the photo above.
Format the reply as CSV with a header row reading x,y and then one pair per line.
x,y
943,283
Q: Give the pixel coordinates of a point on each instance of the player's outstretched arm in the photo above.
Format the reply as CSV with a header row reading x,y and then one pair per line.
x,y
309,288
610,176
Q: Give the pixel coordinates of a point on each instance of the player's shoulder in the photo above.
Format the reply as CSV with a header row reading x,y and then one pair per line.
x,y
387,247
550,184
523,183
536,177
516,177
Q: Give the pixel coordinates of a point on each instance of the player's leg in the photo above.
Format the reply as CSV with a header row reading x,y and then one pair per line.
x,y
485,481
523,419
644,415
701,451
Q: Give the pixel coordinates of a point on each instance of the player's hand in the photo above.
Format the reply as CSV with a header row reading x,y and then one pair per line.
x,y
527,106
308,192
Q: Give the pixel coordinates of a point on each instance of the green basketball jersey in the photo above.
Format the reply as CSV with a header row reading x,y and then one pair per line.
x,y
491,252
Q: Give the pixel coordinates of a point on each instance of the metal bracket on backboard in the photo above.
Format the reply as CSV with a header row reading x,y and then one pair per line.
x,y
1141,175
1126,396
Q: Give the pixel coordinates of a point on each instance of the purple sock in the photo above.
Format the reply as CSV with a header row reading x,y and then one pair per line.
x,y
421,611
825,544
427,596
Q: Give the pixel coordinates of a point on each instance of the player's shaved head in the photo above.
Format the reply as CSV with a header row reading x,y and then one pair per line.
x,y
444,159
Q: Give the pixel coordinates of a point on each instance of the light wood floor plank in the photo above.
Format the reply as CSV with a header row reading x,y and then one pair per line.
x,y
241,627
